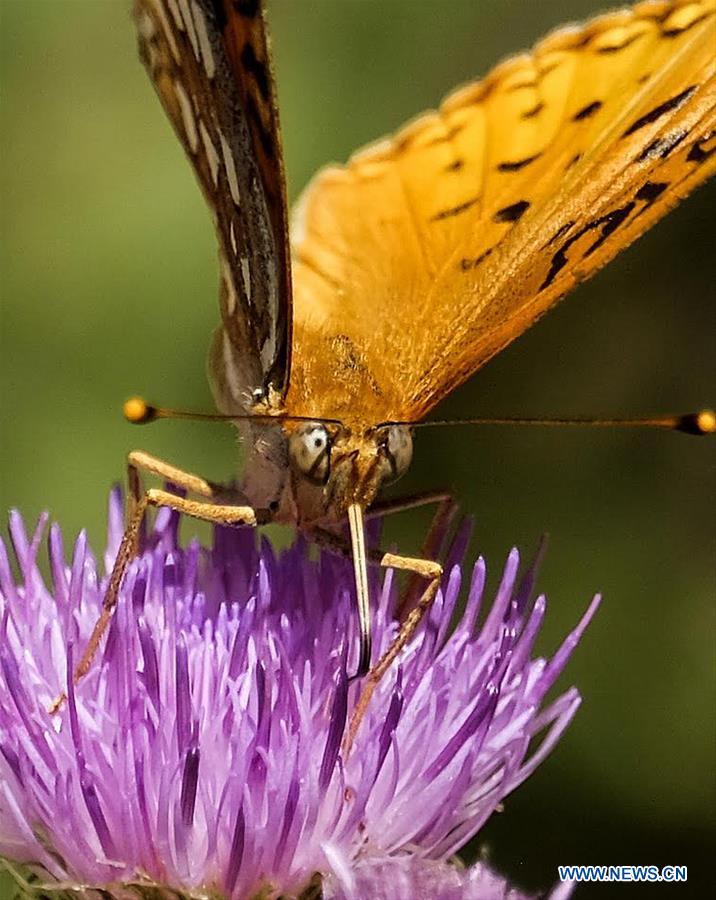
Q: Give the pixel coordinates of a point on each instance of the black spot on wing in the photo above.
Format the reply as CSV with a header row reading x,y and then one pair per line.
x,y
455,165
699,153
257,69
559,261
454,210
608,224
469,263
516,165
533,111
615,48
586,111
560,232
511,213
675,32
661,147
658,111
650,192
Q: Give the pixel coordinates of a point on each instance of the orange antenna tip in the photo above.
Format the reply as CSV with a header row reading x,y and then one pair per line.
x,y
138,411
703,422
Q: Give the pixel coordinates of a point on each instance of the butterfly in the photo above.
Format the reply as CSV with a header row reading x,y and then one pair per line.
x,y
406,270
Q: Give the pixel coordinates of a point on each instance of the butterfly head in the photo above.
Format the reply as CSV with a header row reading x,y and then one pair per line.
x,y
351,464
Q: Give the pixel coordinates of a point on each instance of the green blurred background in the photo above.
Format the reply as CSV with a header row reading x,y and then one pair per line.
x,y
109,288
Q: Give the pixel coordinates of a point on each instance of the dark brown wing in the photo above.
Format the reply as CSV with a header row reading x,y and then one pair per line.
x,y
210,64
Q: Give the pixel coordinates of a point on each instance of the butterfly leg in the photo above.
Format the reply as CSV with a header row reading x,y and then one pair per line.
x,y
140,501
421,568
439,524
138,461
432,545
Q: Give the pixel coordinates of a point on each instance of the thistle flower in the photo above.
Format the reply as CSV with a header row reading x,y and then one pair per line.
x,y
203,750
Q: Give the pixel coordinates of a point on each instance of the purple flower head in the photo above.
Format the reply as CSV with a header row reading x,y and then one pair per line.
x,y
203,750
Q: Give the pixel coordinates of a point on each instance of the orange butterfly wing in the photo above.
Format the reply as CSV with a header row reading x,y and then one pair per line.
x,y
432,250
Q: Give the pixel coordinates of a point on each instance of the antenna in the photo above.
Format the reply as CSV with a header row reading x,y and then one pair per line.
x,y
137,411
697,423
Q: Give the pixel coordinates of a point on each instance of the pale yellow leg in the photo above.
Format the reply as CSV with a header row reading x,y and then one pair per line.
x,y
439,525
444,499
222,514
423,568
440,522
138,460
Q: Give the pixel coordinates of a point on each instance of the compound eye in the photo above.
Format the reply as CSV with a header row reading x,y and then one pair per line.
x,y
397,449
309,449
